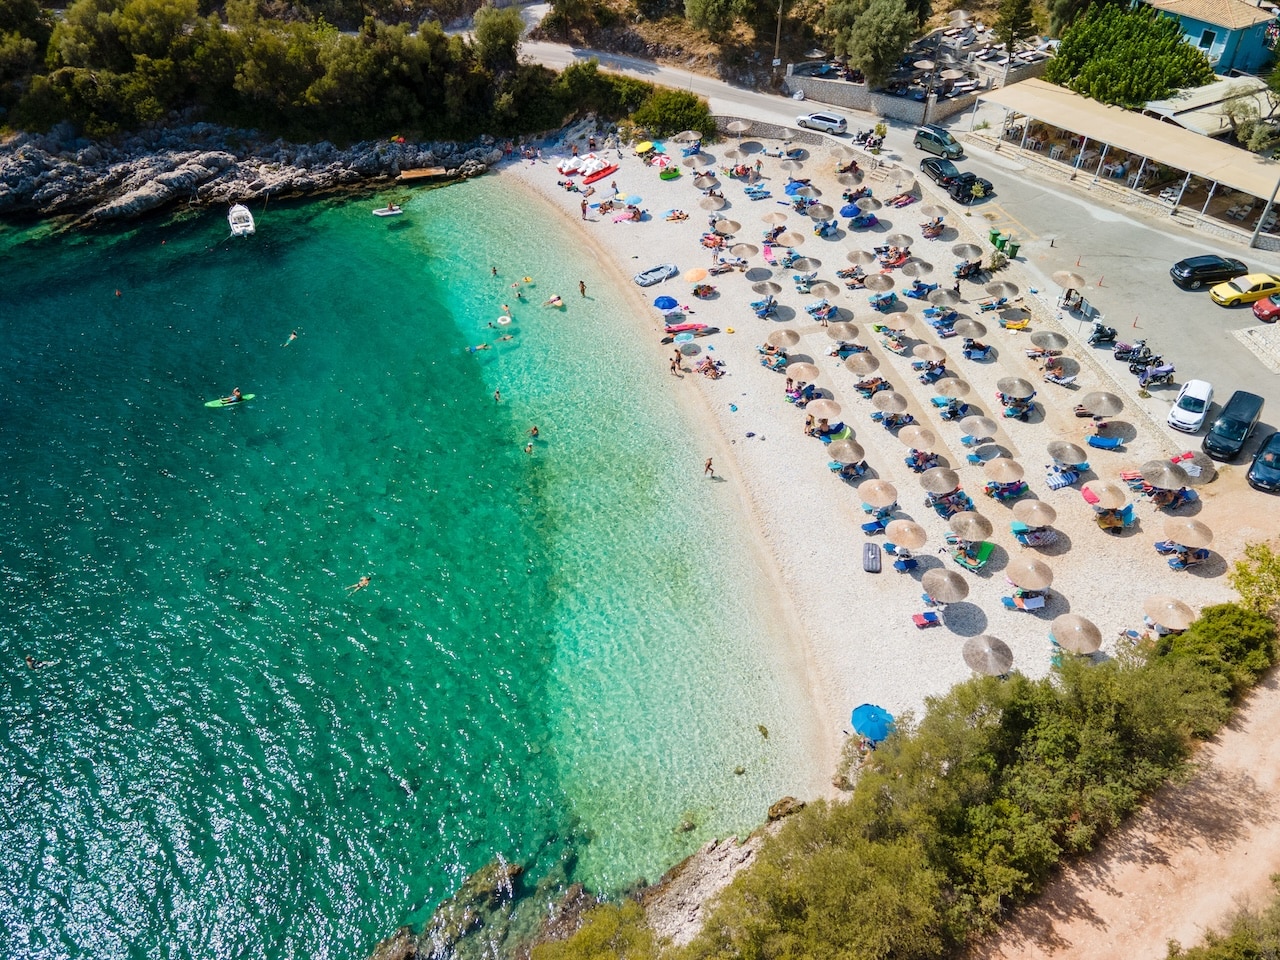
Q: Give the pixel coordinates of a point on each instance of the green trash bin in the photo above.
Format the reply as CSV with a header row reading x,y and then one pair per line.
x,y
1000,241
994,236
1011,248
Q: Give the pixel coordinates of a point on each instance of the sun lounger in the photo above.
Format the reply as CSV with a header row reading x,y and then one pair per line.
x,y
1103,443
979,559
1023,603
926,619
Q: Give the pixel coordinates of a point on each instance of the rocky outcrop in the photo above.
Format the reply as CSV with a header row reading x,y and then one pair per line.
x,y
58,174
675,905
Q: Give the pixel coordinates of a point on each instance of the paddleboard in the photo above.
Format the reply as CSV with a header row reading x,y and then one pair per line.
x,y
220,403
383,212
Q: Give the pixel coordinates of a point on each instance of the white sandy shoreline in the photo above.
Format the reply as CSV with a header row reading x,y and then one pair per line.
x,y
848,635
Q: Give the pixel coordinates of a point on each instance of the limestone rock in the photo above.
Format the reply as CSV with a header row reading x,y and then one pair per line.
x,y
785,808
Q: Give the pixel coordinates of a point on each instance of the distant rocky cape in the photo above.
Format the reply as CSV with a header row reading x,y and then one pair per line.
x,y
58,174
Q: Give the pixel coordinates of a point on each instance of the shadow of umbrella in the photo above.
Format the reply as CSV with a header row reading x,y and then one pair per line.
x,y
759,274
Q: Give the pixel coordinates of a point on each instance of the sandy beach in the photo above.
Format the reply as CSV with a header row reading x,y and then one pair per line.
x,y
850,634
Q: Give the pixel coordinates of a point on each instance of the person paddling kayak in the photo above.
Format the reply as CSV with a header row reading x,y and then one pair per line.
x,y
236,397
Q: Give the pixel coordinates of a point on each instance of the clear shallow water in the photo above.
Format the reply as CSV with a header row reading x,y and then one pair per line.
x,y
559,659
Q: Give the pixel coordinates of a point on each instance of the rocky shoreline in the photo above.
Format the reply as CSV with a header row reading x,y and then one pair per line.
x,y
60,175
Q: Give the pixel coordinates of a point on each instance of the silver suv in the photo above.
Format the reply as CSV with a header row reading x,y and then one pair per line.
x,y
830,122
939,142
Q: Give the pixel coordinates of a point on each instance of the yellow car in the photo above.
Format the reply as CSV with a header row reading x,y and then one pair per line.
x,y
1246,289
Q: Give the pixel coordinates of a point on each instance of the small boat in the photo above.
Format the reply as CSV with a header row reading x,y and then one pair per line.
x,y
390,210
663,271
606,171
684,327
241,221
707,332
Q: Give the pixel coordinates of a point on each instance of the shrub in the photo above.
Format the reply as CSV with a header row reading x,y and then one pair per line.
x,y
1229,641
666,112
1257,578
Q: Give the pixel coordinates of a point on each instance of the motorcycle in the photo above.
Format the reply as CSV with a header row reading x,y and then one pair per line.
x,y
1101,334
1130,351
1156,375
1140,365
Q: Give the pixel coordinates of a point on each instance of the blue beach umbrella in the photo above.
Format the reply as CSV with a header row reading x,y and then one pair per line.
x,y
634,201
874,723
684,338
849,210
665,303
792,187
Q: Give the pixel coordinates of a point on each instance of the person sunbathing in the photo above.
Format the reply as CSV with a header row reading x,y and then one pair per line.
x,y
677,215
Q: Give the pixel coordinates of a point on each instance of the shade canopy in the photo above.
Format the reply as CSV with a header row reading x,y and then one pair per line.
x,y
807,372
1066,452
917,268
1188,532
824,409
824,288
819,211
1015,387
727,228
697,160
842,330
860,257
712,203
873,722
952,387
898,322
968,525
978,427
790,239
1029,573
969,328
782,338
933,210
987,655
1065,278
1169,612
688,136
929,352
1164,475
939,480
966,251
898,240
878,282
1001,288
1101,403
1107,494
879,493
943,297
889,401
766,287
808,192
861,363
1034,513
738,126
744,250
1076,634
1049,340
1003,470
917,437
791,166
774,218
906,533
704,181
944,586
845,451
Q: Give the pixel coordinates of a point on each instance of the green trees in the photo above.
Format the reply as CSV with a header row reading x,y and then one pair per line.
x,y
1014,22
713,16
1127,57
665,112
498,33
1257,577
877,38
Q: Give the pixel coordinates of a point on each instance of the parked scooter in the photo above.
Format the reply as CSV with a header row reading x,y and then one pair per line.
x,y
1101,334
1139,366
1131,351
1156,375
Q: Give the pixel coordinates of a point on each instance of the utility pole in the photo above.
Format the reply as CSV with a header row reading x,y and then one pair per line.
x,y
777,41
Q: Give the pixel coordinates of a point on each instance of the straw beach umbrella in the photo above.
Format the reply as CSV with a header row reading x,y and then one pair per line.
x,y
1164,475
1065,452
933,210
842,330
952,387
906,533
987,655
1034,513
809,192
712,203
861,364
969,328
824,409
727,228
1002,288
1049,340
868,204
889,401
774,218
966,251
860,257
845,451
939,480
1108,495
898,240
942,297
879,282
917,268
744,250
917,437
704,181
1188,532
944,586
879,493
1015,387
1199,468
803,371
782,338
1004,470
790,239
929,353
824,288
819,211
1102,404
1065,278
1076,634
766,287
978,427
698,160
1169,612
791,166
688,136
968,525
1029,573
849,179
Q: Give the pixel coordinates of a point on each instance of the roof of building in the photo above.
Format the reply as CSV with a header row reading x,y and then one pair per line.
x,y
1142,136
1202,109
1232,14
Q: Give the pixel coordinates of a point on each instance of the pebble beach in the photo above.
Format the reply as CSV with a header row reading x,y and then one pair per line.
x,y
854,637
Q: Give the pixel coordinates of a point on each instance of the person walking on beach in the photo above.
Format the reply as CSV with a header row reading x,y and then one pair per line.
x,y
584,208
582,287
708,469
675,365
956,288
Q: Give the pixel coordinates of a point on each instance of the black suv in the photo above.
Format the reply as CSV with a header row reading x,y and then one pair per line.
x,y
939,170
1195,272
969,187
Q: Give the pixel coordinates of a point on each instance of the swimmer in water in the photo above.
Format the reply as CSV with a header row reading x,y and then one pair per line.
x,y
292,337
554,301
505,336
359,584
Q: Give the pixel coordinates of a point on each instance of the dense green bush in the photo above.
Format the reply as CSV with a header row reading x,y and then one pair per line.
x,y
666,112
1229,642
1249,935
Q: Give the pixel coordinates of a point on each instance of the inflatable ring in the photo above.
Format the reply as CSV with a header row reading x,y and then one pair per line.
x,y
730,330
503,321
528,279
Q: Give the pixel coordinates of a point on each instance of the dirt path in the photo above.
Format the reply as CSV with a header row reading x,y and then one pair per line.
x,y
1199,852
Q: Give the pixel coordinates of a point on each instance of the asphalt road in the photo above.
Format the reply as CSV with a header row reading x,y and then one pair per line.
x,y
1124,255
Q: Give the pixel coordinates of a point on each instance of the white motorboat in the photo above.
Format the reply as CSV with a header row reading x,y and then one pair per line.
x,y
390,210
241,221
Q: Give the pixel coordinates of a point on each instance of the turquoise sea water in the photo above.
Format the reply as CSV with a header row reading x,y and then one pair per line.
x,y
560,656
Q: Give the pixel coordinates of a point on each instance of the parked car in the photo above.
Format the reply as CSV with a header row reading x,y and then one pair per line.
x,y
1268,310
1227,437
968,187
830,122
1264,472
939,170
1193,403
1246,289
938,141
1194,272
